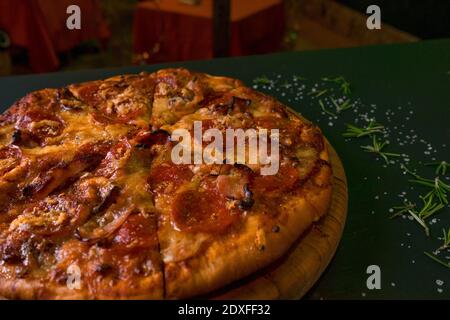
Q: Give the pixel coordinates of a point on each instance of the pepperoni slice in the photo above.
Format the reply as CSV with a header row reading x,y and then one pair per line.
x,y
168,173
283,181
89,93
138,231
111,163
202,211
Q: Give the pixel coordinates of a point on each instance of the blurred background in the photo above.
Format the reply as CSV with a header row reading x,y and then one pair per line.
x,y
34,37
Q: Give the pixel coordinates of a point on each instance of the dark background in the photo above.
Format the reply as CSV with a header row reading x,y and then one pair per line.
x,y
308,25
426,19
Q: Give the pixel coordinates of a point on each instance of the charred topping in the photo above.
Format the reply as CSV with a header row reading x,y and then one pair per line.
x,y
62,93
247,102
109,199
104,269
103,243
16,137
276,229
67,100
27,191
247,202
141,145
11,257
121,84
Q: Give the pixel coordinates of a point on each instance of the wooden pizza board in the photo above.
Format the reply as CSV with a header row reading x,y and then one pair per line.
x,y
296,272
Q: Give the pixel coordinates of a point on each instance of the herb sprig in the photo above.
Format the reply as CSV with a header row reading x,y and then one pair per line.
x,y
399,210
445,239
439,188
324,109
343,84
377,148
358,132
436,259
429,208
441,167
342,107
318,94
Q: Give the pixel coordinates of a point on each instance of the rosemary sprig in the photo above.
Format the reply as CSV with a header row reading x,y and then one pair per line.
x,y
357,132
408,171
263,80
343,84
428,209
436,259
322,106
439,188
342,107
420,221
318,94
441,167
446,240
402,209
377,148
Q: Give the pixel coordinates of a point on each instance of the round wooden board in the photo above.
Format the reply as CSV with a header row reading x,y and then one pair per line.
x,y
296,272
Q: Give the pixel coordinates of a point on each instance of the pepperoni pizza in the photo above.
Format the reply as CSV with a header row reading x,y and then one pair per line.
x,y
89,191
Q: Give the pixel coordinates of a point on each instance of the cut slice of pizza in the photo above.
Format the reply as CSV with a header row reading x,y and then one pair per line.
x,y
103,226
221,222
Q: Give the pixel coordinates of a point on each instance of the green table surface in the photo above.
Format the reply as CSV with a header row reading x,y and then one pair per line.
x,y
405,87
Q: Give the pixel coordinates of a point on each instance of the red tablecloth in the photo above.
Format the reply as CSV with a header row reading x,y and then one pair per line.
x,y
40,27
184,32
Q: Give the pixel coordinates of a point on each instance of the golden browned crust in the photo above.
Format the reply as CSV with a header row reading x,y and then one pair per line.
x,y
86,181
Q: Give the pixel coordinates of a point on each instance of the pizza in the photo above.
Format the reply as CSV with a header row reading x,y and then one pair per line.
x,y
93,205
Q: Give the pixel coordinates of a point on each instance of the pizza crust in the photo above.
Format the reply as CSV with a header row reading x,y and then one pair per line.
x,y
152,289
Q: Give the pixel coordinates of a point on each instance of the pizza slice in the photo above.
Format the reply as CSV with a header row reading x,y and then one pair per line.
x,y
221,222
